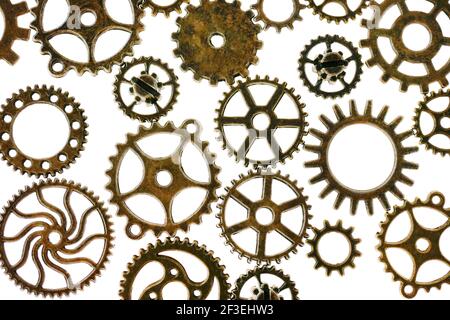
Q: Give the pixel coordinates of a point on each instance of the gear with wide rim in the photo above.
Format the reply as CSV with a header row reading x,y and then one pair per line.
x,y
175,6
350,13
278,25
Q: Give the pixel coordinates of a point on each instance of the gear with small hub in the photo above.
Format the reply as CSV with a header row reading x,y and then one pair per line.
x,y
278,25
156,8
323,8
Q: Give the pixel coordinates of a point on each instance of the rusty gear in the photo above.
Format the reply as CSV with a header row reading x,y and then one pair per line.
x,y
63,159
278,25
350,13
221,19
40,249
174,271
175,6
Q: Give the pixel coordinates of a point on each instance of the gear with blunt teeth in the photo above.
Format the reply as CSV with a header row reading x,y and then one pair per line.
x,y
435,202
217,19
175,6
278,25
350,13
62,220
174,271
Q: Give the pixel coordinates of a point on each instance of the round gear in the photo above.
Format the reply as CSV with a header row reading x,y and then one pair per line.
x,y
420,256
278,25
320,8
227,22
148,88
174,271
54,237
67,155
343,192
175,6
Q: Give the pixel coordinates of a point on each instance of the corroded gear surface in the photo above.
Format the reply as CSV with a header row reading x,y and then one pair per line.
x,y
278,25
156,8
319,8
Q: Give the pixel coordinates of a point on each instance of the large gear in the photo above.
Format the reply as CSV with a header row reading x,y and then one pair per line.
x,y
424,57
217,19
175,6
319,8
55,236
431,236
278,25
175,271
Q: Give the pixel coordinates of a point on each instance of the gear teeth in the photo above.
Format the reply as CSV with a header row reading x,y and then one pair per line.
x,y
350,14
278,26
166,10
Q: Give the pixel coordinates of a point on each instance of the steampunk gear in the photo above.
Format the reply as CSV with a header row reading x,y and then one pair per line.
x,y
165,9
54,237
320,8
278,25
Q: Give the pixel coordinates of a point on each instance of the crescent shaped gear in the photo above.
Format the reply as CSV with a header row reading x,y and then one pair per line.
x,y
350,13
40,249
217,62
411,286
278,25
344,192
49,166
59,63
425,57
156,8
175,271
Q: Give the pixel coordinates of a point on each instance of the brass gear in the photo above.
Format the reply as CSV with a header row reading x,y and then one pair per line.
x,y
278,25
225,20
62,220
350,13
343,191
174,271
165,9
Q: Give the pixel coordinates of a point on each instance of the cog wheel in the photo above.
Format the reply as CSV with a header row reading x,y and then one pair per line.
x,y
173,166
175,6
284,287
331,66
175,271
60,64
54,237
67,155
411,244
403,53
278,25
211,21
333,184
315,252
257,212
156,87
225,120
320,8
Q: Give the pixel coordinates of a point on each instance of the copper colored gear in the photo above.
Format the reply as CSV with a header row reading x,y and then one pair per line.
x,y
350,13
165,9
278,25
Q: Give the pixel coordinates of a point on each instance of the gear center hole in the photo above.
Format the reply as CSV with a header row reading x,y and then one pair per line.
x,y
423,245
265,216
334,248
164,178
261,121
416,37
54,238
217,40
278,11
88,19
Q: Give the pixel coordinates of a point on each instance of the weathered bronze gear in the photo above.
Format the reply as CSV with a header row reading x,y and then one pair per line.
x,y
165,9
278,25
350,13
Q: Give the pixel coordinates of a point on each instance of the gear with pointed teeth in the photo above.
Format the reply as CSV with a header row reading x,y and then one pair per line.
x,y
420,256
59,63
49,166
217,19
343,191
265,291
276,123
54,235
147,88
174,271
331,66
175,6
265,202
315,252
404,54
278,25
173,166
438,118
350,13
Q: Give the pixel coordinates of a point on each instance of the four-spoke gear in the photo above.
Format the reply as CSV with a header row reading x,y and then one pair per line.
x,y
175,6
278,25
323,9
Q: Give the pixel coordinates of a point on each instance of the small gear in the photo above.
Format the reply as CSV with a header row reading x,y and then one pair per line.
x,y
54,236
156,84
320,8
278,25
165,9
315,252
343,191
67,155
411,244
174,271
268,110
221,61
331,66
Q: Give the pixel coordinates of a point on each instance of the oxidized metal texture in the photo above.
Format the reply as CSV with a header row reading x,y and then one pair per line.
x,y
164,9
217,18
174,271
343,192
278,25
41,251
319,7
432,236
65,157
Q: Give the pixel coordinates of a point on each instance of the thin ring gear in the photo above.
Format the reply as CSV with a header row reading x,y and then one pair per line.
x,y
278,25
165,9
175,271
49,166
350,13
343,192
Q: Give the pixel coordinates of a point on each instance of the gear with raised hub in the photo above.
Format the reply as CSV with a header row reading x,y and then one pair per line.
x,y
217,41
175,271
324,9
54,238
278,25
175,6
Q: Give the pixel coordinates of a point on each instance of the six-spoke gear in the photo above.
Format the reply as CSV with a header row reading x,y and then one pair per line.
x,y
278,25
320,8
175,6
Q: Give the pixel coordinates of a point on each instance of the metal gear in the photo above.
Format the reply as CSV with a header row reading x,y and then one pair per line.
x,y
75,142
404,54
174,271
278,25
315,252
275,122
54,236
165,9
331,66
60,64
410,286
266,202
350,13
227,21
174,166
343,191
146,88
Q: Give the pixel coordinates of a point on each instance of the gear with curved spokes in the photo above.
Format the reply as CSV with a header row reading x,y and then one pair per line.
x,y
324,10
278,25
156,8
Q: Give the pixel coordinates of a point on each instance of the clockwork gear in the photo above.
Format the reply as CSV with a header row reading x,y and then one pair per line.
x,y
175,6
278,25
324,8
